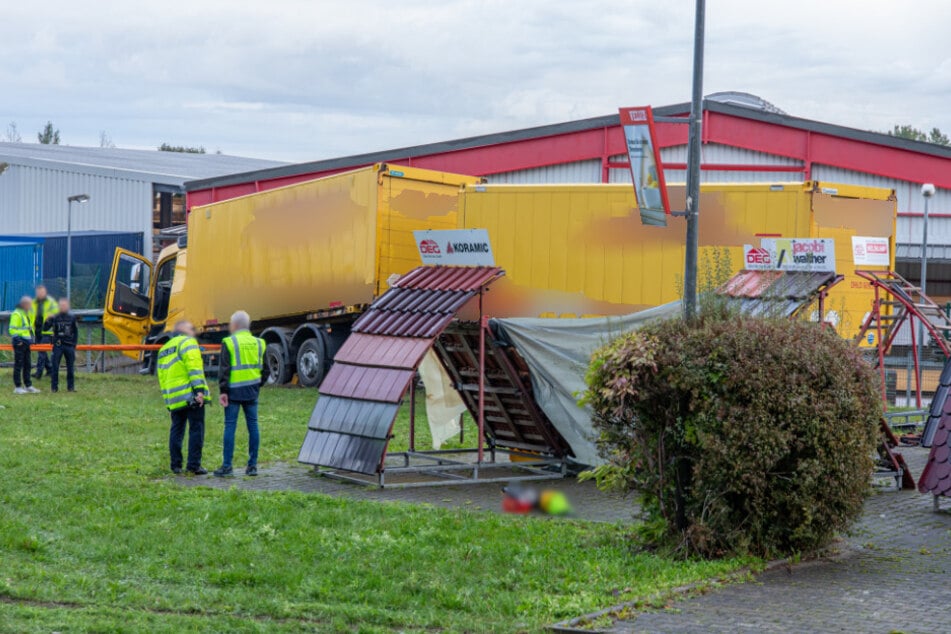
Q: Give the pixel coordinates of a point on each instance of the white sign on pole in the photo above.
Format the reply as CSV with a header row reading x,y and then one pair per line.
x,y
791,254
455,247
870,251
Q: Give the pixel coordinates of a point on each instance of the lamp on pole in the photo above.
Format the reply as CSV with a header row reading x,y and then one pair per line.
x,y
693,168
78,198
927,191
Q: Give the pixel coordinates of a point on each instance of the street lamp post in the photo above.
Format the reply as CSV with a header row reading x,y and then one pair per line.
x,y
78,198
927,191
693,168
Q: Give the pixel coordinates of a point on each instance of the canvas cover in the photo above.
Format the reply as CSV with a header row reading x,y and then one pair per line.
x,y
558,352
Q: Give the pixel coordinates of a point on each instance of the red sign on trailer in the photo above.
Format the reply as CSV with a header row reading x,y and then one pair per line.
x,y
647,170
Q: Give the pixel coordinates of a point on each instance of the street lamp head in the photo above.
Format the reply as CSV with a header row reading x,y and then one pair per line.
x,y
927,190
79,198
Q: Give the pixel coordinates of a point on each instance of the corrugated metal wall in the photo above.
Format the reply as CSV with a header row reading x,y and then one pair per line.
x,y
33,200
577,172
909,200
724,155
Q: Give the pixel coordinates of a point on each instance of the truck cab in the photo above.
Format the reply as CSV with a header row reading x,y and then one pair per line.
x,y
143,298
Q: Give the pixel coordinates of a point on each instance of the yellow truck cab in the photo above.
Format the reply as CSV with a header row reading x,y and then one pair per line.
x,y
143,298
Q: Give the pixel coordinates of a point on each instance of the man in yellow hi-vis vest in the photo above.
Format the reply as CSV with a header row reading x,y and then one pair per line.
x,y
181,377
21,332
239,379
43,307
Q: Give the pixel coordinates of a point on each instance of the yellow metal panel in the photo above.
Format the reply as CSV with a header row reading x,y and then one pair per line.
x,y
581,249
410,200
283,251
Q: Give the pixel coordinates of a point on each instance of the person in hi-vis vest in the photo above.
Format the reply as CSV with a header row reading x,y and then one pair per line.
x,y
23,336
239,380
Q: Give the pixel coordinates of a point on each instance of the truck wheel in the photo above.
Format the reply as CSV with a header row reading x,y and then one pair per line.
x,y
311,362
274,364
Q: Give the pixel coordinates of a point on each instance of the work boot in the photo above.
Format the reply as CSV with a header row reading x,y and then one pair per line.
x,y
198,471
177,470
251,471
224,472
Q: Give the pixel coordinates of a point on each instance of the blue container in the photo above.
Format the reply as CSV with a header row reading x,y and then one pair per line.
x,y
21,264
92,260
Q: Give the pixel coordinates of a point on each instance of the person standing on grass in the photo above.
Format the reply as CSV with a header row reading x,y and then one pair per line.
x,y
239,380
41,309
65,334
21,331
181,376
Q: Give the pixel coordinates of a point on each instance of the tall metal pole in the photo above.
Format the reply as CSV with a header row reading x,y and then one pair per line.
x,y
926,193
693,169
69,252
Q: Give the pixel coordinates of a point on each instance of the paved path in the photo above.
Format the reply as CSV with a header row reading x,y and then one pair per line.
x,y
892,576
588,502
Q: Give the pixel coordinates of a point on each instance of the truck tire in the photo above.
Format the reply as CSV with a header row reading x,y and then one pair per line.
x,y
311,362
275,366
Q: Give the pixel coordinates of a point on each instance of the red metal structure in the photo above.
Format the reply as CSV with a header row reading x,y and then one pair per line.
x,y
898,302
601,138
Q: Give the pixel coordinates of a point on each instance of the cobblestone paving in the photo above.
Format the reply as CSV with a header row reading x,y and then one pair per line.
x,y
891,576
588,502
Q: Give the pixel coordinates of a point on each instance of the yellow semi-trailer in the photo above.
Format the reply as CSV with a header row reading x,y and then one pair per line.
x,y
303,260
578,250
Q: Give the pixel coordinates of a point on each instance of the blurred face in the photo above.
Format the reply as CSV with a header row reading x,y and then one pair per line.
x,y
64,305
233,328
26,304
41,292
187,329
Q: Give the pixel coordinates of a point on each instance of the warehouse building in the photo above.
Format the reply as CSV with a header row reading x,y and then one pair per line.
x,y
132,191
745,139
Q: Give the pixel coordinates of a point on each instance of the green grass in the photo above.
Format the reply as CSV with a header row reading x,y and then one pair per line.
x,y
95,537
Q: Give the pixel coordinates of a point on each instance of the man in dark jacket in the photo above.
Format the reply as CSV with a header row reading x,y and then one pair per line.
x,y
65,334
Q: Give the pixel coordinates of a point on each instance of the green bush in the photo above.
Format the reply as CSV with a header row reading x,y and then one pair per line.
x,y
743,435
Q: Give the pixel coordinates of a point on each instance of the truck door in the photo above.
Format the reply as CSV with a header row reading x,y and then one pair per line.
x,y
129,298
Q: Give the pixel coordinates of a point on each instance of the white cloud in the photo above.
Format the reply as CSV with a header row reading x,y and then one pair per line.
x,y
301,80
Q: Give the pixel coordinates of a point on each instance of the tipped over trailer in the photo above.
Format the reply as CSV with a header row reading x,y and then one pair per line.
x,y
303,261
307,259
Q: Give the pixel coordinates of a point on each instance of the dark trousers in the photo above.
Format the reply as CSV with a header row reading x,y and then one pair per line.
x,y
43,359
21,363
194,417
69,354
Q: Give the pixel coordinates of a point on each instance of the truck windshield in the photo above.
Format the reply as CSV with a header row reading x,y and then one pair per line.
x,y
132,288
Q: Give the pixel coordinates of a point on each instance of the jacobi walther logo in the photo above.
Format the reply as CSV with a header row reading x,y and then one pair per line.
x,y
465,247
809,252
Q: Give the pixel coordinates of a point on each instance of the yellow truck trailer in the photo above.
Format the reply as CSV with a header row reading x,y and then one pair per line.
x,y
579,250
304,260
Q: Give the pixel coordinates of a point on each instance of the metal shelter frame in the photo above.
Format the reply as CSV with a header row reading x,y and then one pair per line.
x,y
896,302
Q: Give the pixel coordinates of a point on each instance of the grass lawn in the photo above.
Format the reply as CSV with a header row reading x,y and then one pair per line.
x,y
95,537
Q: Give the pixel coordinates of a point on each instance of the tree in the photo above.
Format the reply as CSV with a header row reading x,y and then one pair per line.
x,y
48,135
12,135
105,140
911,132
166,147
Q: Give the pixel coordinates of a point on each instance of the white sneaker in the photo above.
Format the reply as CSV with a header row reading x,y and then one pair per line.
x,y
19,390
32,390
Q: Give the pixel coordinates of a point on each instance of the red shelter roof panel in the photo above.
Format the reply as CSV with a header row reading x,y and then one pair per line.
x,y
380,350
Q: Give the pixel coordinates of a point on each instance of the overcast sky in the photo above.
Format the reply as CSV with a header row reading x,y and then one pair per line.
x,y
303,80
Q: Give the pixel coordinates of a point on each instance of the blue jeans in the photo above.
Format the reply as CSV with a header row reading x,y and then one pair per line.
x,y
231,423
